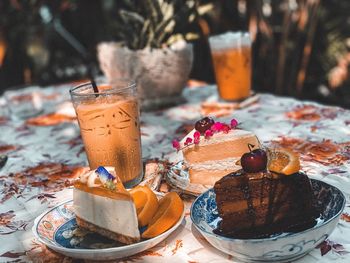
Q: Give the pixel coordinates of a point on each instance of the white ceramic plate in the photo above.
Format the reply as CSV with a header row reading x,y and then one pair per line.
x,y
57,229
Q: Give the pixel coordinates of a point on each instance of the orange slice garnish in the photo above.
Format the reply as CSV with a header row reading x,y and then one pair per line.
x,y
146,203
169,212
283,161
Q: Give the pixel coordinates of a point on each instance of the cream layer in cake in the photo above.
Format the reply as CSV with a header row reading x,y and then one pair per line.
x,y
111,213
216,156
207,173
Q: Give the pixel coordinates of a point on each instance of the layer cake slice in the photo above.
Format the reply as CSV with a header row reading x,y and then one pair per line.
x,y
256,205
216,156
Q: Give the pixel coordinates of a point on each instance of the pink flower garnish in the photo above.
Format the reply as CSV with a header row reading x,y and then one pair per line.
x,y
188,141
216,127
225,128
196,137
176,144
208,134
234,123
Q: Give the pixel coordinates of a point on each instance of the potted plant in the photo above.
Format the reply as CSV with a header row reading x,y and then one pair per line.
x,y
152,47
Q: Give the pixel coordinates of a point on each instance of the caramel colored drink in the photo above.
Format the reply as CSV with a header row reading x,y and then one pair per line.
x,y
231,54
110,129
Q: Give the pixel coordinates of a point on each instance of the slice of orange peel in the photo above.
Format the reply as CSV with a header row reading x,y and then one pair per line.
x,y
169,212
283,161
146,203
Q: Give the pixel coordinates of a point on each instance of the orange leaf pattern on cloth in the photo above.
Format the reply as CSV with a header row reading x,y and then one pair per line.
x,y
178,244
345,217
327,246
5,218
325,152
5,148
305,113
49,119
312,113
46,176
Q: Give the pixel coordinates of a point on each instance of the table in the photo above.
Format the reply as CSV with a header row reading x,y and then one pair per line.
x,y
45,153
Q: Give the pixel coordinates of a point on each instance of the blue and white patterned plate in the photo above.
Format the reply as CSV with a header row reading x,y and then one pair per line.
x,y
57,229
283,248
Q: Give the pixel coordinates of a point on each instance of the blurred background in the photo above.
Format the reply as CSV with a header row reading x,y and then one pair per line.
x,y
301,48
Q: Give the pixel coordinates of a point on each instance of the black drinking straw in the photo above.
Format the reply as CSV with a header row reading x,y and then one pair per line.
x,y
94,86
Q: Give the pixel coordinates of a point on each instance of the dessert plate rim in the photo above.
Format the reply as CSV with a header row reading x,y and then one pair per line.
x,y
60,248
288,235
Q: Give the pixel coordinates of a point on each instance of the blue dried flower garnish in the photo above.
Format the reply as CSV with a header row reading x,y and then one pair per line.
x,y
104,175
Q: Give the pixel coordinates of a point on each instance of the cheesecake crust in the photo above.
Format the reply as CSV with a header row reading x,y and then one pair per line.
x,y
107,233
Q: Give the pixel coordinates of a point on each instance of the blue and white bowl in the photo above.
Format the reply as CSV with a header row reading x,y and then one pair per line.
x,y
282,248
57,229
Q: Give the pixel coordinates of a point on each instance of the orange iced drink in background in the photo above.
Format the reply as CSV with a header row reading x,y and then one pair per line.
x,y
231,55
110,129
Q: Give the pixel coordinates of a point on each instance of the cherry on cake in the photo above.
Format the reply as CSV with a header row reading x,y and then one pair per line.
x,y
212,149
103,205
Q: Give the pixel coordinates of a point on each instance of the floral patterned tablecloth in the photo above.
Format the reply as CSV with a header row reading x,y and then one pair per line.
x,y
45,154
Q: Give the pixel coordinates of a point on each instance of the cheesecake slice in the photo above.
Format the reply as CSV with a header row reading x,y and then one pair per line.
x,y
103,205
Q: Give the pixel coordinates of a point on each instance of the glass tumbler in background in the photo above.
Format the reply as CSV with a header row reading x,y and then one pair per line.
x,y
110,127
231,55
24,104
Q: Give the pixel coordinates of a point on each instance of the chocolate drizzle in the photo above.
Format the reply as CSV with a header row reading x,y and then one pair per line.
x,y
272,192
263,204
247,196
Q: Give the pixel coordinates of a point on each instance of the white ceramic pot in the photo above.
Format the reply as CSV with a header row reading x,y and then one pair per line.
x,y
161,74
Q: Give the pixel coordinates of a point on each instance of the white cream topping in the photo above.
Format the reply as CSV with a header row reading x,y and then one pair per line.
x,y
91,180
217,137
85,176
90,177
217,165
118,216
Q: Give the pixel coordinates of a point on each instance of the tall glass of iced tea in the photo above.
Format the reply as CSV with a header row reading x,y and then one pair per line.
x,y
231,55
110,127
